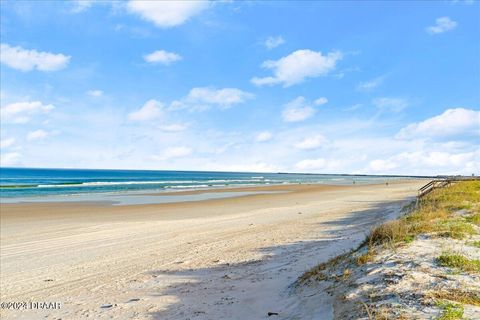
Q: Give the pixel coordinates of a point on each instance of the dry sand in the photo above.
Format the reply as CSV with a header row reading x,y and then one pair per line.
x,y
232,258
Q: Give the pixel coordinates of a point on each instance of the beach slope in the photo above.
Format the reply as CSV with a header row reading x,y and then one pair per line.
x,y
215,259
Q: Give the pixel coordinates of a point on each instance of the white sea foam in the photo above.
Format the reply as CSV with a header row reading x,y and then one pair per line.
x,y
167,182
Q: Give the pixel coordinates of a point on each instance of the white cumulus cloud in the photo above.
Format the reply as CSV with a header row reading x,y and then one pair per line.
x,y
381,166
320,101
451,122
37,135
313,142
95,93
28,60
264,136
257,166
173,152
311,164
151,110
81,5
167,14
162,57
442,25
202,98
297,110
273,42
427,162
7,142
9,159
297,66
21,112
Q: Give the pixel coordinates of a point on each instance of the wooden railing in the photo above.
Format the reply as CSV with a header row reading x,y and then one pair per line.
x,y
441,183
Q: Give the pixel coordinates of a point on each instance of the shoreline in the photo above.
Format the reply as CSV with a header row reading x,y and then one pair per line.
x,y
105,198
178,258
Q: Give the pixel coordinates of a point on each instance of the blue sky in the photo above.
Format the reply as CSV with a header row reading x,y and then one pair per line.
x,y
331,87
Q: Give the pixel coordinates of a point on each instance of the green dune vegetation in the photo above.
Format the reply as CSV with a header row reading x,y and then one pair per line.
x,y
423,265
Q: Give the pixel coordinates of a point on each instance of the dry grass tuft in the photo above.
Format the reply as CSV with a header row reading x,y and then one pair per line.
x,y
456,295
366,257
390,232
383,313
319,272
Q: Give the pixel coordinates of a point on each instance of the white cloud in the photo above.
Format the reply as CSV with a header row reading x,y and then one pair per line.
x,y
320,101
29,107
324,165
297,110
264,136
20,112
167,14
298,66
203,97
382,166
81,5
7,142
427,162
37,135
95,93
258,166
151,110
273,42
222,97
312,142
353,107
442,25
467,2
162,57
9,159
370,85
451,122
311,164
175,127
174,152
27,60
390,104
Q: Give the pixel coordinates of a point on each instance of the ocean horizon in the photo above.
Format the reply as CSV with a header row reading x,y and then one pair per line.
x,y
38,182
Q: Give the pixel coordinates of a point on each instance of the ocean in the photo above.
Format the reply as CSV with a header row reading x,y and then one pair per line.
x,y
37,183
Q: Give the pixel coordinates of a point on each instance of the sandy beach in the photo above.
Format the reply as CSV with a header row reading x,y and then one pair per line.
x,y
231,258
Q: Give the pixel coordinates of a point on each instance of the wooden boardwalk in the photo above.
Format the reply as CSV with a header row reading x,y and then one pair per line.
x,y
441,183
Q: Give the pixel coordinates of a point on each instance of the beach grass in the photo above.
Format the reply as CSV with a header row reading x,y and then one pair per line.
x,y
475,219
450,311
458,261
450,212
475,244
435,213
